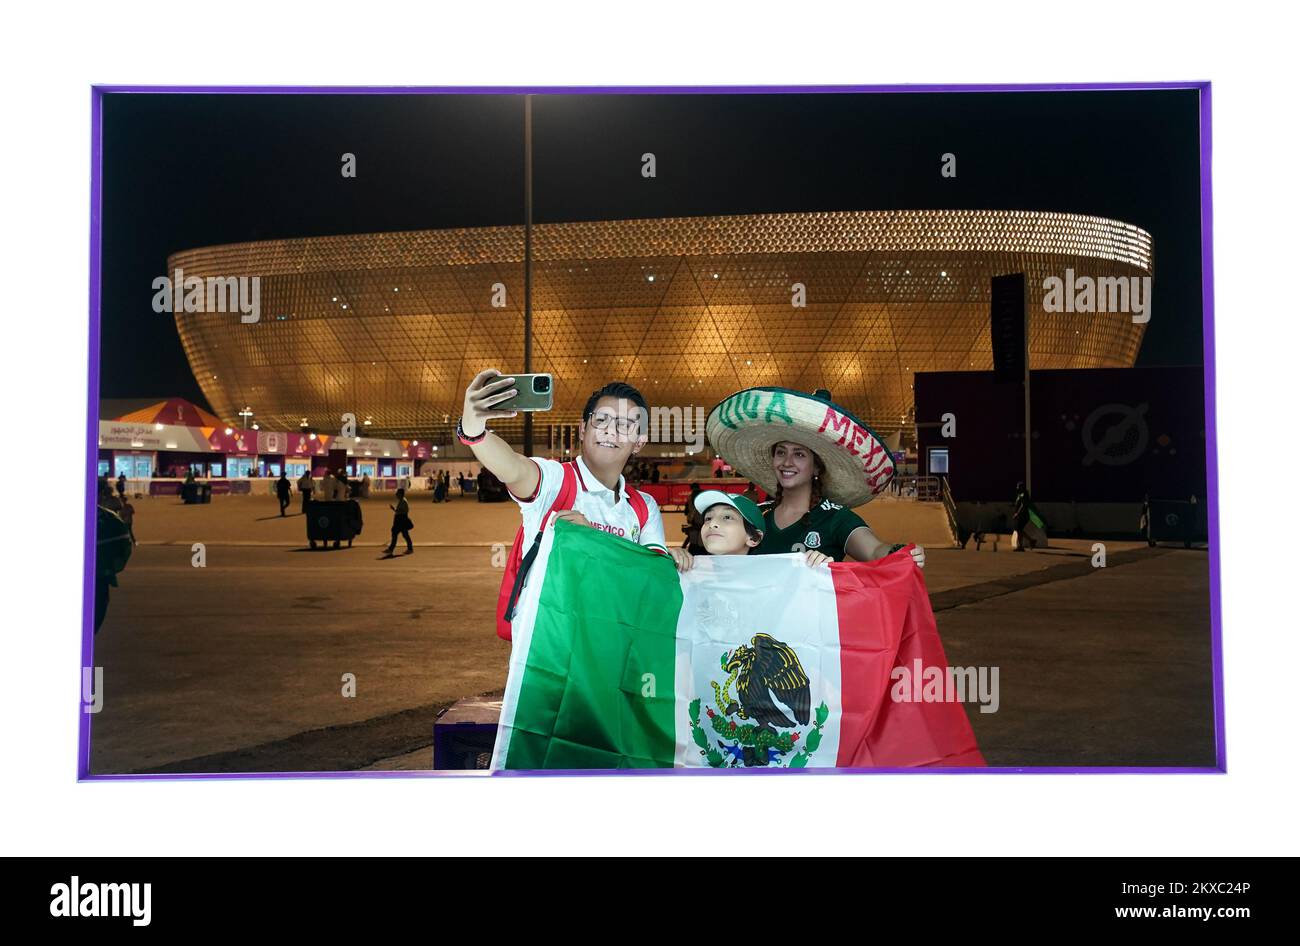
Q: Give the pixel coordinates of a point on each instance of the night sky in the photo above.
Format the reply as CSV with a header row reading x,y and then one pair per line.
x,y
182,171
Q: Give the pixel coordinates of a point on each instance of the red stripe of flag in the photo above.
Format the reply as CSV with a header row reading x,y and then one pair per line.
x,y
885,622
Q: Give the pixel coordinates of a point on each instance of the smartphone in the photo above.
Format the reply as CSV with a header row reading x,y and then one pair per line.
x,y
535,393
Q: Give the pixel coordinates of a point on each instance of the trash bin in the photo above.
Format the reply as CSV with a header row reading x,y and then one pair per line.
x,y
465,733
492,490
354,520
192,493
332,521
1176,520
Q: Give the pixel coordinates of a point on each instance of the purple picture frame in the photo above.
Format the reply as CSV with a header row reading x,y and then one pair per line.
x,y
1211,435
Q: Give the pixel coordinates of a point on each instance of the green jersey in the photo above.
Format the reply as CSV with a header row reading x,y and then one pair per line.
x,y
826,527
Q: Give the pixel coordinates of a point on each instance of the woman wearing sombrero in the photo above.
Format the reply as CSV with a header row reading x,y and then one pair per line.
x,y
816,460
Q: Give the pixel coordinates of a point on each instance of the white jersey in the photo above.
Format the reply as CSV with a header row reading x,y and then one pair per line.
x,y
604,508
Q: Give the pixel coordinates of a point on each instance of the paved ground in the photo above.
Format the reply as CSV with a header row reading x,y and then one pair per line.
x,y
249,520
238,666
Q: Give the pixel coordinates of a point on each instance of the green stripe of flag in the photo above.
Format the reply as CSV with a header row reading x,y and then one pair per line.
x,y
597,690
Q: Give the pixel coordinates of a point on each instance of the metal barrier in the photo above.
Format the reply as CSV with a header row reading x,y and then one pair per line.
x,y
924,489
221,486
950,511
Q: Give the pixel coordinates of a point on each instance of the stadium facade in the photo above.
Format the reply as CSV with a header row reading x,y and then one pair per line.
x,y
391,326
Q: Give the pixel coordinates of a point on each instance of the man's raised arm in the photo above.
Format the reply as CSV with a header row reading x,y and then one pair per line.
x,y
482,397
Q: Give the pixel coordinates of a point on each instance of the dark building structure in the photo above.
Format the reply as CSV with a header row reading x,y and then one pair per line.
x,y
1102,438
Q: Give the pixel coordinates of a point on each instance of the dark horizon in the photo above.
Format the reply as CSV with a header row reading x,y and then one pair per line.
x,y
236,168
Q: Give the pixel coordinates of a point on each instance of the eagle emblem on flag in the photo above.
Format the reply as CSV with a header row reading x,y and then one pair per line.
x,y
752,727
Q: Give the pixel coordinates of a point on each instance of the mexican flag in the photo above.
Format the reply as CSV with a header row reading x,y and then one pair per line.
x,y
745,661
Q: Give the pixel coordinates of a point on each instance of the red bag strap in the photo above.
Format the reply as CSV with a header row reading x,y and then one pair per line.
x,y
565,497
563,500
637,501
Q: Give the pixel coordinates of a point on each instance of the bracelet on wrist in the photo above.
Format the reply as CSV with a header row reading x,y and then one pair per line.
x,y
466,438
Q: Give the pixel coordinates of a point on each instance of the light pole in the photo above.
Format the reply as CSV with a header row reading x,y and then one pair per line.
x,y
246,413
528,261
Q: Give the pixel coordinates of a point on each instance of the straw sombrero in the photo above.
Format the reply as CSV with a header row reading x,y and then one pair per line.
x,y
743,428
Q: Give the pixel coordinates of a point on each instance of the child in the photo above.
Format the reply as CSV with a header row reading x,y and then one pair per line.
x,y
402,525
733,525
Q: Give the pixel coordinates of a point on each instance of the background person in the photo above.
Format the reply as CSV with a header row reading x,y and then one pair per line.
x,y
127,513
694,519
110,500
113,544
328,484
1028,527
282,492
402,525
306,486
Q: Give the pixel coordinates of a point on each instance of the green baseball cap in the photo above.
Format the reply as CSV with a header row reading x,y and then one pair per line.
x,y
742,504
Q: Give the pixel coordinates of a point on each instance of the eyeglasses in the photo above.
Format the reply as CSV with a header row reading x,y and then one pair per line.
x,y
621,423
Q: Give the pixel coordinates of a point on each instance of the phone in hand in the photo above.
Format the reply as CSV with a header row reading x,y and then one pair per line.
x,y
536,392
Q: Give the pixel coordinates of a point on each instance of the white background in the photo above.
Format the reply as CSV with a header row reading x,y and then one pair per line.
x,y
53,56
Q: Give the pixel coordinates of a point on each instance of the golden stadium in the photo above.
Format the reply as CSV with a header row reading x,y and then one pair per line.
x,y
391,326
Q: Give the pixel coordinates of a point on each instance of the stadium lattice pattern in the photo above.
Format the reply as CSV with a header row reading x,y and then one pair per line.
x,y
392,326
